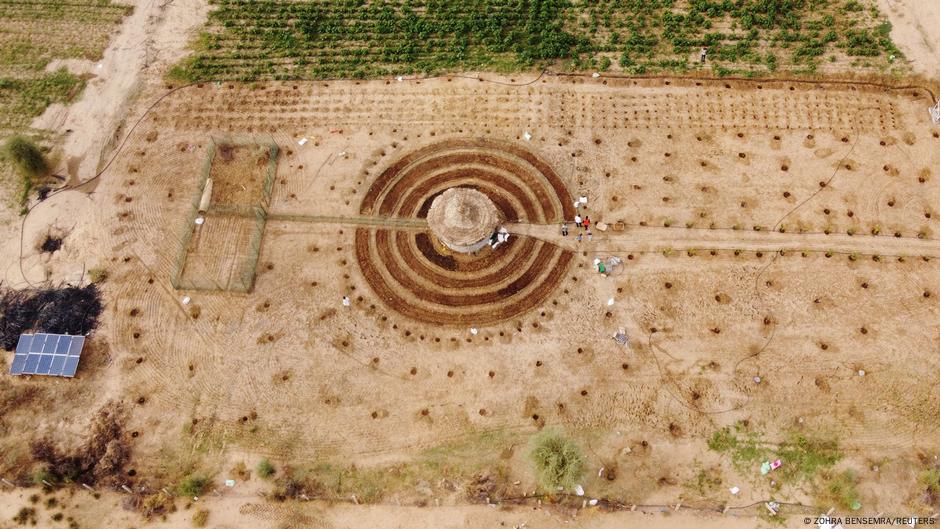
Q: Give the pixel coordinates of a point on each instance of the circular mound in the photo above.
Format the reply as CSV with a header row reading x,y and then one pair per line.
x,y
463,219
425,281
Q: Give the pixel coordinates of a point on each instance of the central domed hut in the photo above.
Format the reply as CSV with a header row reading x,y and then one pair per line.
x,y
463,219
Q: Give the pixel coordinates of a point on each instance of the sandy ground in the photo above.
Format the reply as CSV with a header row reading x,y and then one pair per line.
x,y
232,511
384,388
916,31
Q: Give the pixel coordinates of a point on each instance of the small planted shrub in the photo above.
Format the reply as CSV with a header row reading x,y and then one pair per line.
x,y
558,460
200,518
265,469
193,485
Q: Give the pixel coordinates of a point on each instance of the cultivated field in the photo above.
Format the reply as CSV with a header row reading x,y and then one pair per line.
x,y
328,39
33,35
775,229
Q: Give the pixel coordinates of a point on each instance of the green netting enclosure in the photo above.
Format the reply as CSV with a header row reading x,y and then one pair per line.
x,y
221,253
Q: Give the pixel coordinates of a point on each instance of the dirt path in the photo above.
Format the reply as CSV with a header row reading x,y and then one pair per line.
x,y
647,239
151,39
644,239
916,30
243,510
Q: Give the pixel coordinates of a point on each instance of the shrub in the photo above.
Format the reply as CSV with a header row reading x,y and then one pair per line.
x,y
43,474
26,156
29,161
26,514
200,518
558,460
97,275
193,485
265,469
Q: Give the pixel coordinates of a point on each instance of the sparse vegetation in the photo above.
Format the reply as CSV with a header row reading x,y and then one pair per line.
x,y
840,490
99,460
155,504
558,460
803,456
929,480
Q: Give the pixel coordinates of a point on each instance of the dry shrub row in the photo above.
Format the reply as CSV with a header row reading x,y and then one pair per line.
x,y
100,460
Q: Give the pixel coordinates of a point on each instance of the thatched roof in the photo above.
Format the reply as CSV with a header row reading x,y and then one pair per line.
x,y
462,217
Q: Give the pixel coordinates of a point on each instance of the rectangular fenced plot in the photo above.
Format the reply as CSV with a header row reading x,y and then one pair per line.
x,y
242,174
222,253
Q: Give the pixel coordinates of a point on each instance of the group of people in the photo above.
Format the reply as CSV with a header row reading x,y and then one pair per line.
x,y
499,237
583,223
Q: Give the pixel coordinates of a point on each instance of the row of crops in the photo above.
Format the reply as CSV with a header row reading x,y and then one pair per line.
x,y
35,32
293,39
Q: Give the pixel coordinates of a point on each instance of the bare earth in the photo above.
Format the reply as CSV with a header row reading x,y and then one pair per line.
x,y
916,31
719,296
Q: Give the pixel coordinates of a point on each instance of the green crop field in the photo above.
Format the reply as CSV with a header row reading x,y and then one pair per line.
x,y
316,39
35,32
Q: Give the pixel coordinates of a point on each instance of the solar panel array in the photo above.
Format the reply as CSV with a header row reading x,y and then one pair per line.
x,y
47,354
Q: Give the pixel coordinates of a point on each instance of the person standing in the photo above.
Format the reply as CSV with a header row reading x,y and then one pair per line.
x,y
577,221
564,229
703,53
587,222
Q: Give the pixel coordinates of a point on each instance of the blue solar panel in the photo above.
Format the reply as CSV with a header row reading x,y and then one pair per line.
x,y
71,366
77,343
45,361
38,341
19,362
32,362
22,347
47,354
58,361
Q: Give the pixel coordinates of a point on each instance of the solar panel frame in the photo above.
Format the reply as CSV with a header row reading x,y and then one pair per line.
x,y
47,354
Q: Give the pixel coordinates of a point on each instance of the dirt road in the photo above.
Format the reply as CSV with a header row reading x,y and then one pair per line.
x,y
647,239
916,30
